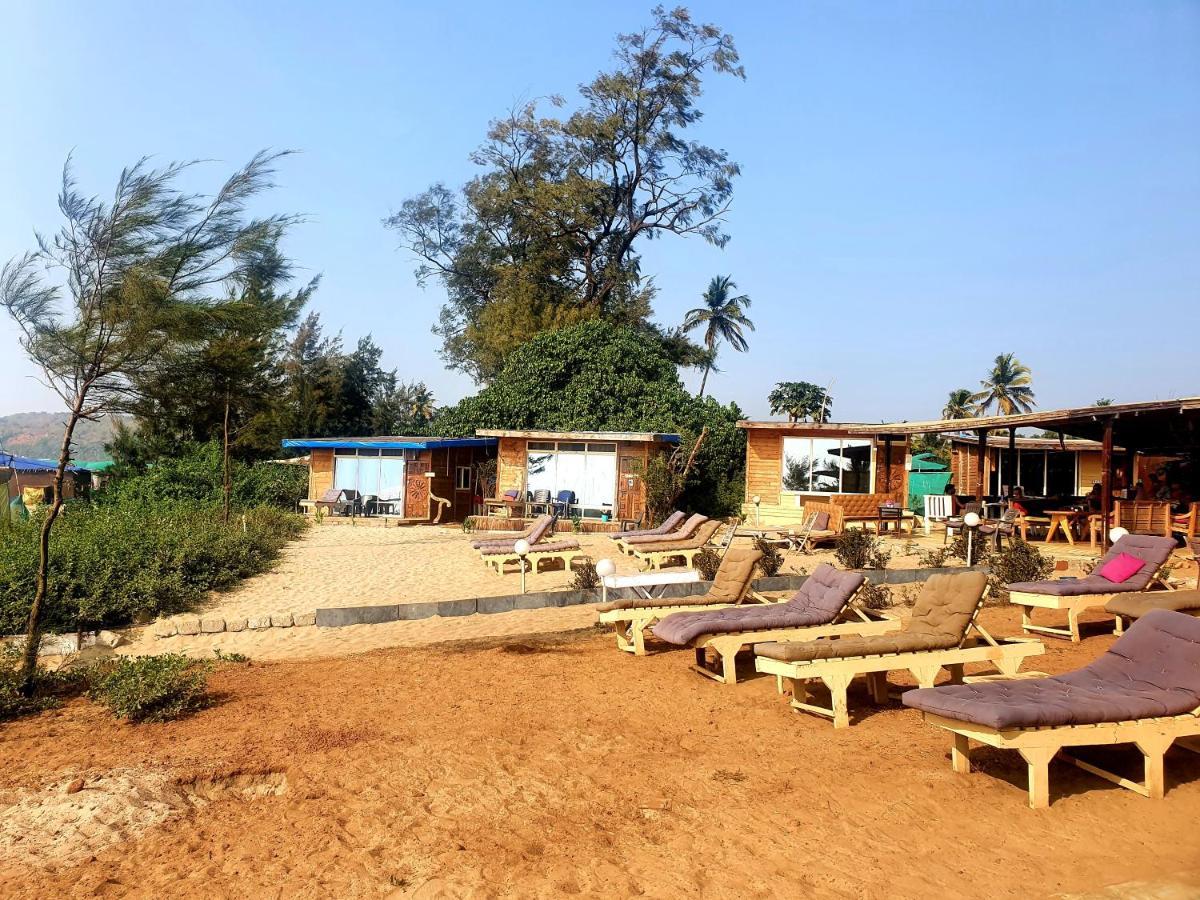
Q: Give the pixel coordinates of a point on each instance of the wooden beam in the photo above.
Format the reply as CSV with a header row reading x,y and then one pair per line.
x,y
979,463
887,465
1010,464
1106,462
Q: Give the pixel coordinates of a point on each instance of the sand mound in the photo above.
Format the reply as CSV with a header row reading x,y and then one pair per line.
x,y
74,819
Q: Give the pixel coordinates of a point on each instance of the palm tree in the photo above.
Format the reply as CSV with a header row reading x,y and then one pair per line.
x,y
724,317
958,405
1007,387
418,401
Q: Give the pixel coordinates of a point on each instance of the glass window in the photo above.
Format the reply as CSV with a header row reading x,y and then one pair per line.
x,y
827,465
1060,473
391,479
1032,473
602,448
600,480
345,472
368,477
462,478
541,472
571,447
365,452
540,445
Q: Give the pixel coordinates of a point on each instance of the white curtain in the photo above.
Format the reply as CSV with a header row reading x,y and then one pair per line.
x,y
345,472
391,478
600,481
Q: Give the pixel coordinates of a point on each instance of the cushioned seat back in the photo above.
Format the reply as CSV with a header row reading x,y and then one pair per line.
x,y
669,523
945,607
733,576
688,529
1152,550
539,529
1160,652
826,592
834,518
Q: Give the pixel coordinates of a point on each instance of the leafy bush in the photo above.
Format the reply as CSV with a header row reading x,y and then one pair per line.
x,y
468,525
934,559
586,578
706,563
115,561
857,548
772,559
1018,561
49,688
152,688
981,549
196,475
875,596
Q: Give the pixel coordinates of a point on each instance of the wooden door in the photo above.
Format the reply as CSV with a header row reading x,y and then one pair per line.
x,y
631,489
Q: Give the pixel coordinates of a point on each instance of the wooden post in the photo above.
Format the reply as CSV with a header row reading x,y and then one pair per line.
x,y
1010,464
887,466
1106,483
979,464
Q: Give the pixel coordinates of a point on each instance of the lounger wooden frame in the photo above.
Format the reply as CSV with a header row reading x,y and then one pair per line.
x,y
630,624
623,545
1006,655
654,559
1038,746
499,560
1072,605
850,621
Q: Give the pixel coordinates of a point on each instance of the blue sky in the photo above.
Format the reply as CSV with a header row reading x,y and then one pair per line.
x,y
924,185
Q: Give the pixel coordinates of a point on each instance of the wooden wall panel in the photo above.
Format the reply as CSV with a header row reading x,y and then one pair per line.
x,y
764,465
320,473
510,467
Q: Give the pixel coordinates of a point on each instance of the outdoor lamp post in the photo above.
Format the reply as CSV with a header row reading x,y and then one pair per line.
x,y
522,548
1117,533
756,500
605,568
971,521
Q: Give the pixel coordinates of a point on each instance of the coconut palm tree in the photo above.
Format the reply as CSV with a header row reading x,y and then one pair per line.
x,y
1007,387
724,317
958,404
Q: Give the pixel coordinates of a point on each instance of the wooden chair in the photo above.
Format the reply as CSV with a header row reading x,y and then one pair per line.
x,y
1143,516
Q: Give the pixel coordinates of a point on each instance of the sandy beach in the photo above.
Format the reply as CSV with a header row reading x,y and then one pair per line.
x,y
556,766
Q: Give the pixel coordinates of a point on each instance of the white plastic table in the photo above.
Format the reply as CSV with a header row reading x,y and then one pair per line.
x,y
645,585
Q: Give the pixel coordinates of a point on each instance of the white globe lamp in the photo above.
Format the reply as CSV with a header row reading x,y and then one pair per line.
x,y
971,520
605,568
1117,533
522,548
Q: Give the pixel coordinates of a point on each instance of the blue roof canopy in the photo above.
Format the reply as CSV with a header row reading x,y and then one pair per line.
x,y
387,443
29,465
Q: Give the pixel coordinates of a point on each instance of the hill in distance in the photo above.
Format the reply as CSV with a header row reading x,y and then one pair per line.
x,y
39,434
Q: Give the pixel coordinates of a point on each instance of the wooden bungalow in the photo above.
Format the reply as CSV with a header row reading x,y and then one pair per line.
x,y
33,480
603,469
788,463
1043,467
406,476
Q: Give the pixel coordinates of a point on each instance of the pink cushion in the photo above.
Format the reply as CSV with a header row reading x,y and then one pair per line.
x,y
1121,568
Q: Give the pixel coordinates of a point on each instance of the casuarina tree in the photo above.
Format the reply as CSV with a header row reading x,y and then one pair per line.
x,y
120,283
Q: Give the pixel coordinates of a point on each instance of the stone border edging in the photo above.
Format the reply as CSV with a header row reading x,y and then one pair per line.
x,y
339,617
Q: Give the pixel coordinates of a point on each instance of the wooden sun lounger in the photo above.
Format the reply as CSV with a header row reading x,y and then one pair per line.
x,y
855,621
732,586
1005,654
1155,671
653,556
685,531
535,555
1037,746
837,672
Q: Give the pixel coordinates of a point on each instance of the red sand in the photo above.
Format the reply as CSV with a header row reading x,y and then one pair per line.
x,y
550,766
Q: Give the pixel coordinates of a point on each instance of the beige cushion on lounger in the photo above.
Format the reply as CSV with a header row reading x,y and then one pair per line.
x,y
730,585
939,621
1134,606
703,536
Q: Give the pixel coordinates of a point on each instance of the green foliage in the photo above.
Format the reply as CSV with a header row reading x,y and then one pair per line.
x,y
723,318
193,474
934,559
237,658
597,376
772,559
875,596
1017,561
468,525
800,400
152,688
115,561
547,236
981,549
706,562
586,578
959,404
1007,388
857,548
48,688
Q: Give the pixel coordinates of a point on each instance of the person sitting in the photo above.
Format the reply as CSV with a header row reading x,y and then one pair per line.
x,y
1016,501
955,503
1095,498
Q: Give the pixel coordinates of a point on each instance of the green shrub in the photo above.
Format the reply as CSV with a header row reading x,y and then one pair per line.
x,y
934,559
112,562
772,559
707,562
875,596
152,688
586,578
1018,561
857,548
49,688
981,548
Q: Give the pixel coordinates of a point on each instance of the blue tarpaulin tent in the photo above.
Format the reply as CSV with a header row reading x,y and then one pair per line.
x,y
29,464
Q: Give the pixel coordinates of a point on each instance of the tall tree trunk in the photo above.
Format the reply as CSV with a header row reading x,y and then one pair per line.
x,y
704,380
33,630
226,483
